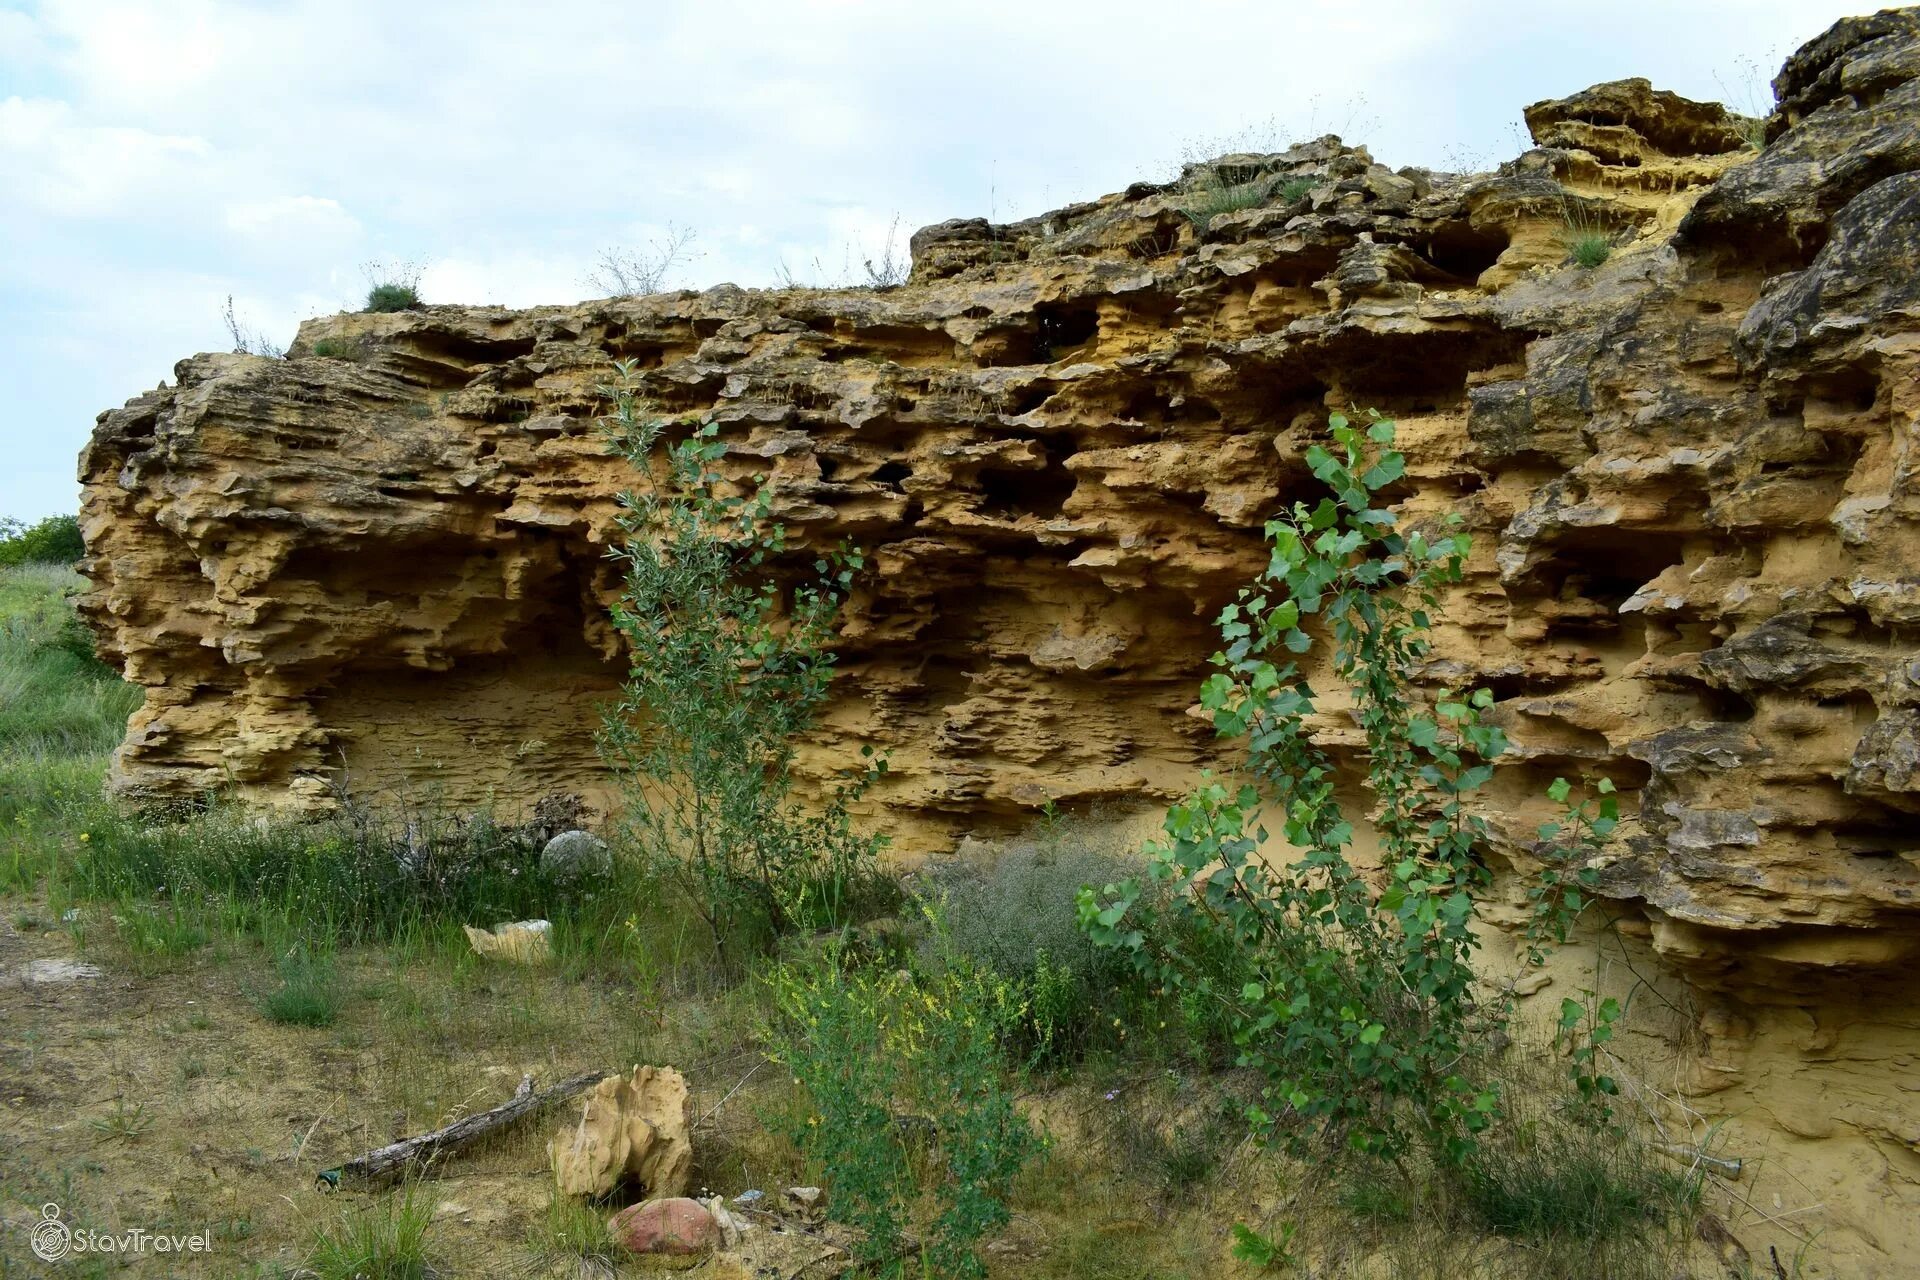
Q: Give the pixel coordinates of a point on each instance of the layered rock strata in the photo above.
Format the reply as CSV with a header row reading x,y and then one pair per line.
x,y
379,565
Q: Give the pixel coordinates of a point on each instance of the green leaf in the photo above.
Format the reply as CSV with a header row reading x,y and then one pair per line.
x,y
1384,472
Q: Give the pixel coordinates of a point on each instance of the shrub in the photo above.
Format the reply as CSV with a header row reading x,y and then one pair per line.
x,y
1358,1015
54,540
728,670
384,1242
862,1044
1015,918
392,286
340,348
392,297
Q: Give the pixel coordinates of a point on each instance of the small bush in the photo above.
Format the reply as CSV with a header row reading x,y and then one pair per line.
x,y
1015,918
1358,1005
392,286
309,994
339,348
54,540
392,297
386,1242
863,1044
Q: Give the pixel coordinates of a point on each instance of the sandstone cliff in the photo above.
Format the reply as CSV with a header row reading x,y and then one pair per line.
x,y
378,565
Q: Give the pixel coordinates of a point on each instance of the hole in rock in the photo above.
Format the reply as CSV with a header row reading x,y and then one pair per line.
x,y
1008,494
1060,327
1461,251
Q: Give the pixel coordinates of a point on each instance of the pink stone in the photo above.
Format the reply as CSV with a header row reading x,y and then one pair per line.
x,y
675,1225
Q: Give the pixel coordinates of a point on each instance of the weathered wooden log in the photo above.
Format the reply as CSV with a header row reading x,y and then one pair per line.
x,y
394,1158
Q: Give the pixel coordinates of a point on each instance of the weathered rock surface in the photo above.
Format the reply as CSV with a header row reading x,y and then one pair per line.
x,y
630,1129
1690,474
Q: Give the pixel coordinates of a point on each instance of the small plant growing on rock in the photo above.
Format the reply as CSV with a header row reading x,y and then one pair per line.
x,y
1589,241
248,341
631,273
1215,190
1295,189
393,286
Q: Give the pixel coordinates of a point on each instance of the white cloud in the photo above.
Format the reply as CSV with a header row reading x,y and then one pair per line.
x,y
305,216
68,168
19,37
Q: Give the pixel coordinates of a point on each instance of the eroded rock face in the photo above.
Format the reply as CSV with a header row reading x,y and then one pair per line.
x,y
630,1129
1689,474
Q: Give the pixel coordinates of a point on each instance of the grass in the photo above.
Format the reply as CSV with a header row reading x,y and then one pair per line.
x,y
57,702
309,994
124,1123
387,1241
1588,240
1562,1180
571,1232
1215,191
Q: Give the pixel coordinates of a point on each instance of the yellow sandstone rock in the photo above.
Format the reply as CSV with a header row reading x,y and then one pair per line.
x,y
630,1128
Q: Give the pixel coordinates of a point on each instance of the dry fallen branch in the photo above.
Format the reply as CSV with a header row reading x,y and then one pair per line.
x,y
385,1162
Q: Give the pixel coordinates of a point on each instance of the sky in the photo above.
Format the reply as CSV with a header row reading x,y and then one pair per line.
x,y
158,158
